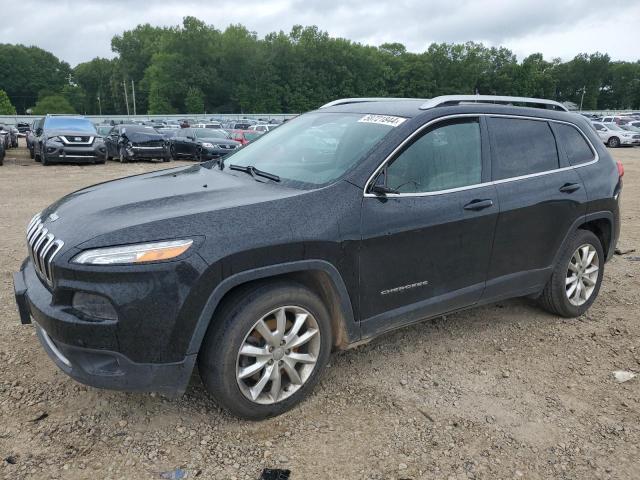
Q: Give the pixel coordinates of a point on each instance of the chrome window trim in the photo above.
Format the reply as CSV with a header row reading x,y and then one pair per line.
x,y
407,140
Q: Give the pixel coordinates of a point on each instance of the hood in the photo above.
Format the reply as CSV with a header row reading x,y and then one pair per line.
x,y
138,208
70,133
143,137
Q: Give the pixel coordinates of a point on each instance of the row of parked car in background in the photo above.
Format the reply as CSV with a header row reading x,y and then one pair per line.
x,y
64,138
617,130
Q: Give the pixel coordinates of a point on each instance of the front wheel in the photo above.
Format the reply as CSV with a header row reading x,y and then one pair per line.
x,y
576,278
614,142
266,349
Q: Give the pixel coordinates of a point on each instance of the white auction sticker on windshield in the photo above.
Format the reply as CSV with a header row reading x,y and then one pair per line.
x,y
382,120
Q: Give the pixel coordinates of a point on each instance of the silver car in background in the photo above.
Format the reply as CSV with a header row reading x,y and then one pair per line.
x,y
613,136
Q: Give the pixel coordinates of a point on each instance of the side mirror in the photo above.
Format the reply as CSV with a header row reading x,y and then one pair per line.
x,y
191,138
380,187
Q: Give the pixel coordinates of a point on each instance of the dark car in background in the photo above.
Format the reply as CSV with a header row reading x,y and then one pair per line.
x,y
5,137
136,142
202,144
64,138
10,133
23,127
257,267
31,135
2,153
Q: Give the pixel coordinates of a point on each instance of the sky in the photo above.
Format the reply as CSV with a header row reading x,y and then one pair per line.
x,y
79,30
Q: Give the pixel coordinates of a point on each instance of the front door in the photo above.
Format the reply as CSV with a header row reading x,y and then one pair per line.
x,y
425,249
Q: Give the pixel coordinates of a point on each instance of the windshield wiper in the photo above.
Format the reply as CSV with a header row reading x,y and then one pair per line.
x,y
254,172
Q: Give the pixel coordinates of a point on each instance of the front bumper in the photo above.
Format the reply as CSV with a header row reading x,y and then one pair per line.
x,y
140,153
213,153
66,153
87,350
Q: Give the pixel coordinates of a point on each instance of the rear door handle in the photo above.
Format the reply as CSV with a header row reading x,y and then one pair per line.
x,y
570,187
476,205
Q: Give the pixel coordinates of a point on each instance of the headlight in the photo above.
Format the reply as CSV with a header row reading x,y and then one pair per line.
x,y
208,145
130,254
55,139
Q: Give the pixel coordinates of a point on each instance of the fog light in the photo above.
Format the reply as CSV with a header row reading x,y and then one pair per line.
x,y
94,306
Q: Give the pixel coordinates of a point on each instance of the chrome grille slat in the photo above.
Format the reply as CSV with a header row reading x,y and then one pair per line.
x,y
43,247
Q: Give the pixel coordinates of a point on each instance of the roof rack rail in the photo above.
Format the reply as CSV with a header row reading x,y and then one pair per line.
x,y
447,100
346,101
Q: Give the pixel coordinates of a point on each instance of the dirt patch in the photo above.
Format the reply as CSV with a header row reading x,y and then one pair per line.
x,y
503,391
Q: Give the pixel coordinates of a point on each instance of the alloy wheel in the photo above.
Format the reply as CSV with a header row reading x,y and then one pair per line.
x,y
278,355
582,274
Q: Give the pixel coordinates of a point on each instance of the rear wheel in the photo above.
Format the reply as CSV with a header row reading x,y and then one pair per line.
x,y
172,151
576,279
614,142
266,349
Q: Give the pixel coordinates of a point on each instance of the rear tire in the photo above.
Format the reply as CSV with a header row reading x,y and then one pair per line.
x,y
235,326
574,285
614,142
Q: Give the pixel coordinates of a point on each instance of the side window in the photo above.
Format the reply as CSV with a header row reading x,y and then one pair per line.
x,y
598,127
522,147
447,156
577,148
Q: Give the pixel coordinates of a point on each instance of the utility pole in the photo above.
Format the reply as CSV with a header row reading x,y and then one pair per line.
x,y
99,105
133,94
584,89
126,99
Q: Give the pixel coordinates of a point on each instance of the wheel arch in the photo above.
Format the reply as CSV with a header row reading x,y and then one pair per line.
x,y
601,224
319,276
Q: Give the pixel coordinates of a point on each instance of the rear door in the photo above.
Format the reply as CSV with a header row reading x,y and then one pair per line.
x,y
541,197
425,250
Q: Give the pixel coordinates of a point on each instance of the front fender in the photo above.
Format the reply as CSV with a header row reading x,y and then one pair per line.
x,y
351,328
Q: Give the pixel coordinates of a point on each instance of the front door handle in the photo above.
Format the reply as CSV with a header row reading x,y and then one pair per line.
x,y
476,205
570,187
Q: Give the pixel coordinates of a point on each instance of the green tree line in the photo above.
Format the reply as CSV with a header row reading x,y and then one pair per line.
x,y
197,68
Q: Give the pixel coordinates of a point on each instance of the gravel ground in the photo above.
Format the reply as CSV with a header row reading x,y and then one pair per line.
x,y
499,392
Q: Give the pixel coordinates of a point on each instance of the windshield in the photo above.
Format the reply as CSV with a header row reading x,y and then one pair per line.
x,y
73,124
613,126
209,133
315,148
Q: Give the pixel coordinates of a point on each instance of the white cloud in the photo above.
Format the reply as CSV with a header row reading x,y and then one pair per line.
x,y
78,30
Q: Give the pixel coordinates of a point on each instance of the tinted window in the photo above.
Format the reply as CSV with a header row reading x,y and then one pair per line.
x,y
448,156
522,147
577,148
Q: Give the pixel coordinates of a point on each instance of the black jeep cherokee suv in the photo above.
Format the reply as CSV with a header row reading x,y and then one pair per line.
x,y
347,222
62,138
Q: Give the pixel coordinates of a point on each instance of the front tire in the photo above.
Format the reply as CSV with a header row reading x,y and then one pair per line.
x,y
576,278
614,142
266,349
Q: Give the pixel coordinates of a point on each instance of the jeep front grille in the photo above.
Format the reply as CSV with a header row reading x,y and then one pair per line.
x,y
43,246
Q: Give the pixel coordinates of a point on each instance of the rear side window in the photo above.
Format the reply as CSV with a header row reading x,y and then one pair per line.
x,y
577,148
522,147
448,156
